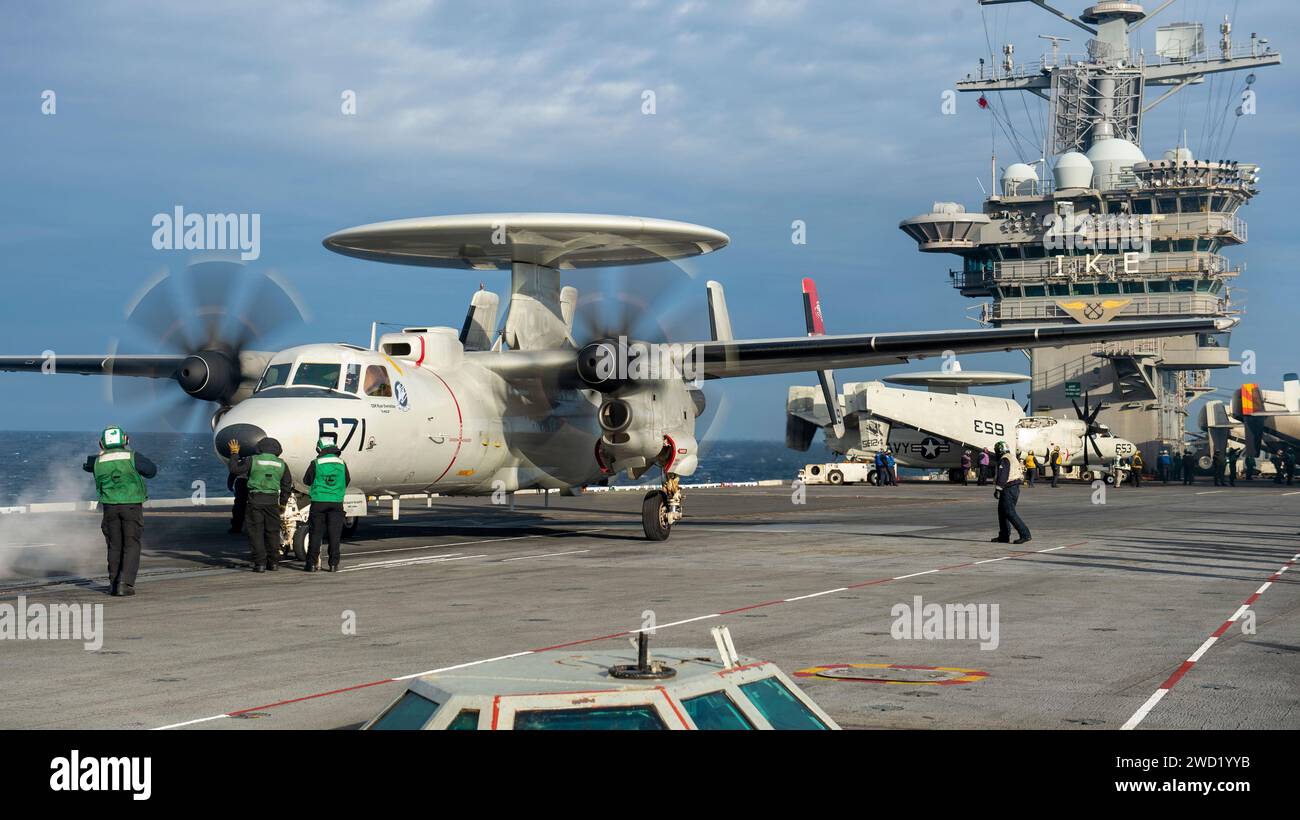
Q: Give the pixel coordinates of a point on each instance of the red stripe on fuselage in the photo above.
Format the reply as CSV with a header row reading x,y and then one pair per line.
x,y
460,423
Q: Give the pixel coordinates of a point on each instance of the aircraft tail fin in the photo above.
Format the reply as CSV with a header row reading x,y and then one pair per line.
x,y
1248,401
1291,392
719,317
480,321
812,315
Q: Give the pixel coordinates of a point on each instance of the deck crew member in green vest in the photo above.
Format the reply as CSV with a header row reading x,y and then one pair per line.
x,y
119,480
269,485
328,479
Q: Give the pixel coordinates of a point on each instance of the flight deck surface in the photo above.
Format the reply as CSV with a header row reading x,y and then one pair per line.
x,y
1097,615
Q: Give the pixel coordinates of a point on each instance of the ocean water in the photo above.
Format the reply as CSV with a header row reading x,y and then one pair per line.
x,y
43,466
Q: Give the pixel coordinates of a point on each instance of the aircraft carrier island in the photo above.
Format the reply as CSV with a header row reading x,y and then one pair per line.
x,y
1147,611
1087,226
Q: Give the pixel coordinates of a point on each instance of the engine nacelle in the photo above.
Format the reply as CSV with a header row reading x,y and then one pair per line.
x,y
209,375
631,439
642,428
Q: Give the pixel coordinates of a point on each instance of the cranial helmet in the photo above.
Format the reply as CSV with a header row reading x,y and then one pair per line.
x,y
270,446
113,437
1000,447
322,443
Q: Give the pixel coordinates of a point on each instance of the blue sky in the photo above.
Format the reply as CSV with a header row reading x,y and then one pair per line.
x,y
767,112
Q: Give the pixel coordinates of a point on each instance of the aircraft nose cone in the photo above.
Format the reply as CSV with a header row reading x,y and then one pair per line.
x,y
248,436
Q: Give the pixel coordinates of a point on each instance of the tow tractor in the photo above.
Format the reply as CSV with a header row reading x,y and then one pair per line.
x,y
839,472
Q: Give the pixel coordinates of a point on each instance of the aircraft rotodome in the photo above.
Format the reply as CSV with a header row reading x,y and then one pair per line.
x,y
533,404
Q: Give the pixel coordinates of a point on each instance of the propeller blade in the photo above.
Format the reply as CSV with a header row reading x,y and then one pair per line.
x,y
1093,441
271,310
158,316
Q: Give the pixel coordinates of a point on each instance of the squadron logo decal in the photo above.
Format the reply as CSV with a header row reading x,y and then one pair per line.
x,y
403,399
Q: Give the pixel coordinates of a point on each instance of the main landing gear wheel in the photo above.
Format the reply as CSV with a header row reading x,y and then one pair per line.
x,y
654,516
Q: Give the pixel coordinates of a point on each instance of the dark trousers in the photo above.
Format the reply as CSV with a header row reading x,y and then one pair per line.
x,y
264,527
240,508
965,476
326,519
1136,475
1163,473
1232,475
1029,478
1007,515
983,475
1056,474
122,525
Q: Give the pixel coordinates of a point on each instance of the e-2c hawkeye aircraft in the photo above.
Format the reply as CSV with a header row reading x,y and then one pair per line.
x,y
929,430
476,410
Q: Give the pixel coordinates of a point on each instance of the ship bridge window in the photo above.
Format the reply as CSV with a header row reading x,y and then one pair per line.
x,y
1142,206
1217,286
411,711
1084,289
377,383
1106,288
1059,290
1158,286
716,711
609,717
1184,285
275,376
1035,290
779,705
318,374
1135,287
1167,205
1203,286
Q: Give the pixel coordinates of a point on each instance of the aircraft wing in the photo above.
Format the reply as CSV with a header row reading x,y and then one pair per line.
x,y
757,357
155,367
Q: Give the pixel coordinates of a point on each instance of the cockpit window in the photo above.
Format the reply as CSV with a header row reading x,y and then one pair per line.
x,y
275,375
318,375
377,383
352,379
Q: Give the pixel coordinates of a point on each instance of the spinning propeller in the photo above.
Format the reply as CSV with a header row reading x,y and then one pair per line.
x,y
212,313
